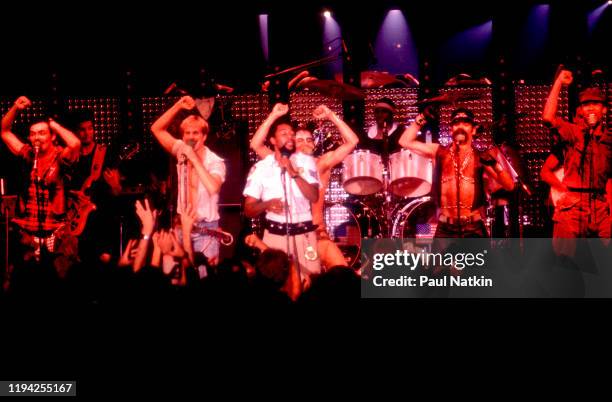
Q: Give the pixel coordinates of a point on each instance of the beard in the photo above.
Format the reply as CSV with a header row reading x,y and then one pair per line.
x,y
287,148
459,132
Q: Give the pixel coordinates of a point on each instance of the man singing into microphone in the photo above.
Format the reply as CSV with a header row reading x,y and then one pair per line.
x,y
284,184
43,202
582,211
329,253
458,181
200,176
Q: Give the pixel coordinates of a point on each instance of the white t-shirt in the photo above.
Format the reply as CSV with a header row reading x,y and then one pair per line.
x,y
264,183
207,205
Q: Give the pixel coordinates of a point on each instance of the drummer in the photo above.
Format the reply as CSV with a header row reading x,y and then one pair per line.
x,y
328,251
384,110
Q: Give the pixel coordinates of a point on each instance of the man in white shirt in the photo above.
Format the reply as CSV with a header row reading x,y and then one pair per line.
x,y
200,176
265,192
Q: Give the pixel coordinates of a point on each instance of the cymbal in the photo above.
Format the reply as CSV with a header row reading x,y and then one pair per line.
x,y
376,79
464,79
334,89
449,98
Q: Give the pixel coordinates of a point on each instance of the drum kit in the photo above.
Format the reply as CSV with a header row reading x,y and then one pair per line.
x,y
385,200
389,195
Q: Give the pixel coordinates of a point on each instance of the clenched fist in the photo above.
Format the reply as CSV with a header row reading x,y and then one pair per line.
x,y
22,102
322,112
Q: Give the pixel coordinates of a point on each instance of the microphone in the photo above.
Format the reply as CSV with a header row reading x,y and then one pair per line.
x,y
35,167
182,157
285,153
36,151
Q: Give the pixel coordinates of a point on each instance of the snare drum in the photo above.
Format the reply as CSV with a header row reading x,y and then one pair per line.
x,y
411,174
363,173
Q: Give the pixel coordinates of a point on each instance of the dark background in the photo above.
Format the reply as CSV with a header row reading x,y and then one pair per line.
x,y
90,48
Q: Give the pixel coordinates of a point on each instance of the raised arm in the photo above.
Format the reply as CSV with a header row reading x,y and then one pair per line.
x,y
13,143
552,103
147,217
257,143
73,144
160,127
350,139
408,139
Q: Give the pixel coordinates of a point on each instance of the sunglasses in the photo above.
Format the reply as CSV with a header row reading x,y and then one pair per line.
x,y
462,120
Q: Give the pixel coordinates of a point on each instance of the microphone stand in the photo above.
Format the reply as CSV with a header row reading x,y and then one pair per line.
x,y
39,204
286,206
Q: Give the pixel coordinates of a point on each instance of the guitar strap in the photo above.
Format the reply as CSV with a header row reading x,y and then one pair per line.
x,y
97,163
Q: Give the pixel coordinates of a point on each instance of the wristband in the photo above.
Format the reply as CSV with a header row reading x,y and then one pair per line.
x,y
420,120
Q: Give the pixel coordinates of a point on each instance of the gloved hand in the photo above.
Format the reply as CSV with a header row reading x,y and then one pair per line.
x,y
487,159
431,112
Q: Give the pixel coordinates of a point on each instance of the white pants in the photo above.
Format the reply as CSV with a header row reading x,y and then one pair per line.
x,y
299,245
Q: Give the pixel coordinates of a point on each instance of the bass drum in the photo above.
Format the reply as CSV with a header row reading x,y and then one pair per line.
x,y
417,219
347,224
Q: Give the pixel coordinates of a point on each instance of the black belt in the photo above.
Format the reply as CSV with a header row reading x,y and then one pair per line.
x,y
598,191
278,228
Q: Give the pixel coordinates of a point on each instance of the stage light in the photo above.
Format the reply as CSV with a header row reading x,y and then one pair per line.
x,y
332,43
610,2
468,46
394,48
594,16
534,35
263,36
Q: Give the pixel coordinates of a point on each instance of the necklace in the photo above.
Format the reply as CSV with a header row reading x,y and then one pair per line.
x,y
464,164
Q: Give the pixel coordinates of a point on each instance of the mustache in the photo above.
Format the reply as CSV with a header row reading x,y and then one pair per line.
x,y
460,131
288,142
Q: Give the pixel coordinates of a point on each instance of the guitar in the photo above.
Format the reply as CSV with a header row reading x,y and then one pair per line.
x,y
82,205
